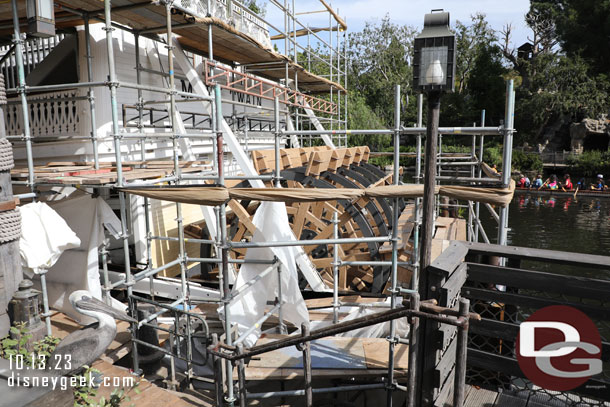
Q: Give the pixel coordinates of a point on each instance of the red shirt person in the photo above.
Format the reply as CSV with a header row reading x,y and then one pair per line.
x,y
567,183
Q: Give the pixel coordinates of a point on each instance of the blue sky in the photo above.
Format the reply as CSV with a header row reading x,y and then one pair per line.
x,y
411,12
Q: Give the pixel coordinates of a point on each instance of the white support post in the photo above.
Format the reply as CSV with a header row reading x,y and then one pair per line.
x,y
314,119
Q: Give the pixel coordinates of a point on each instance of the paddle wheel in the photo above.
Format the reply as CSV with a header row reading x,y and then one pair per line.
x,y
322,167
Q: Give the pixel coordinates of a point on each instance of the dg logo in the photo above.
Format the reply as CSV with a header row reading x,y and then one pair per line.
x,y
559,348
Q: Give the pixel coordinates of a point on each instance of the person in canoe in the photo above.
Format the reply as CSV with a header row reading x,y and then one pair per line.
x,y
538,182
524,181
599,184
567,183
552,182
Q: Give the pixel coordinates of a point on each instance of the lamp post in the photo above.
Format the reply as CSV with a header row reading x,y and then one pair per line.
x,y
433,74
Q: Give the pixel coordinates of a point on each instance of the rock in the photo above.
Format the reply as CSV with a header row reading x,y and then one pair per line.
x,y
579,131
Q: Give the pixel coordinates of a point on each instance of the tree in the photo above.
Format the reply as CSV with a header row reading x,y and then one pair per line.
x,y
471,41
479,75
561,87
380,56
542,41
583,28
258,8
361,116
555,86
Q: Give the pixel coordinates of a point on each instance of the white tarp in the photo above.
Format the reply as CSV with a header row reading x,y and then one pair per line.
x,y
44,237
271,221
74,226
381,330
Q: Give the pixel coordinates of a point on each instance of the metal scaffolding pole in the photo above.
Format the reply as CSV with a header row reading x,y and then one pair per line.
x,y
226,290
21,90
416,231
507,157
277,175
336,261
113,84
179,219
394,273
480,173
90,95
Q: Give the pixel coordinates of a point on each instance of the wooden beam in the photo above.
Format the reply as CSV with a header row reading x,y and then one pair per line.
x,y
536,280
547,256
336,16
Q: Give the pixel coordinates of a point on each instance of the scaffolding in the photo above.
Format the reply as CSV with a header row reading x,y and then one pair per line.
x,y
230,352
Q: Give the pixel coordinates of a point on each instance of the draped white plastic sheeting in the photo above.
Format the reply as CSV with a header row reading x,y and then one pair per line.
x,y
271,221
64,239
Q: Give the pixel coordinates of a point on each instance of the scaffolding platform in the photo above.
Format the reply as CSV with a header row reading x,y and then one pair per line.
x,y
67,173
229,44
337,357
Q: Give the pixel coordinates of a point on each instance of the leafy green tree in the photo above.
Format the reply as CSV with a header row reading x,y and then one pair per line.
x,y
560,87
583,29
479,75
259,7
555,85
361,116
471,41
380,56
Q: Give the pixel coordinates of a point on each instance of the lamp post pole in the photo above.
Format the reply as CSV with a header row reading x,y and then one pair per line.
x,y
434,104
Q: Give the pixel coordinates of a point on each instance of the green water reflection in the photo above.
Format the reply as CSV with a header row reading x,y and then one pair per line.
x,y
580,225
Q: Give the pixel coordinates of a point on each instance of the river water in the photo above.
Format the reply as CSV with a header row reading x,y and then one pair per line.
x,y
580,225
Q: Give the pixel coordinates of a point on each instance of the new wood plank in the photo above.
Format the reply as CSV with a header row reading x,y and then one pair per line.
x,y
507,400
376,351
480,398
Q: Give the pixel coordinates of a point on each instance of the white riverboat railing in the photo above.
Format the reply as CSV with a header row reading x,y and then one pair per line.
x,y
52,115
241,18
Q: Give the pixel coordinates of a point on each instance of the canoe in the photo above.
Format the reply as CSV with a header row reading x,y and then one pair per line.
x,y
559,192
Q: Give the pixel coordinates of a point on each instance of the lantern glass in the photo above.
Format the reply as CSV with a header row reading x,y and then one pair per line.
x,y
45,9
434,55
433,67
41,18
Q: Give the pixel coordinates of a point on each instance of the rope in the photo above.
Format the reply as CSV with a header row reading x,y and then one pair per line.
x,y
6,155
10,225
2,91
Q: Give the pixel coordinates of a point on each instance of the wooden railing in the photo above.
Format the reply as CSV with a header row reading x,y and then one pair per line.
x,y
257,87
506,296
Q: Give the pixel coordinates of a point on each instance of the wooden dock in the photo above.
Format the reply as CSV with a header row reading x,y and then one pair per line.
x,y
148,394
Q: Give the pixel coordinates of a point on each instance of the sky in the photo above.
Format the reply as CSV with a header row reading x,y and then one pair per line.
x,y
411,12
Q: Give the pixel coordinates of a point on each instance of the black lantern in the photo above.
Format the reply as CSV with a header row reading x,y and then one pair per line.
x,y
434,54
25,304
41,18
